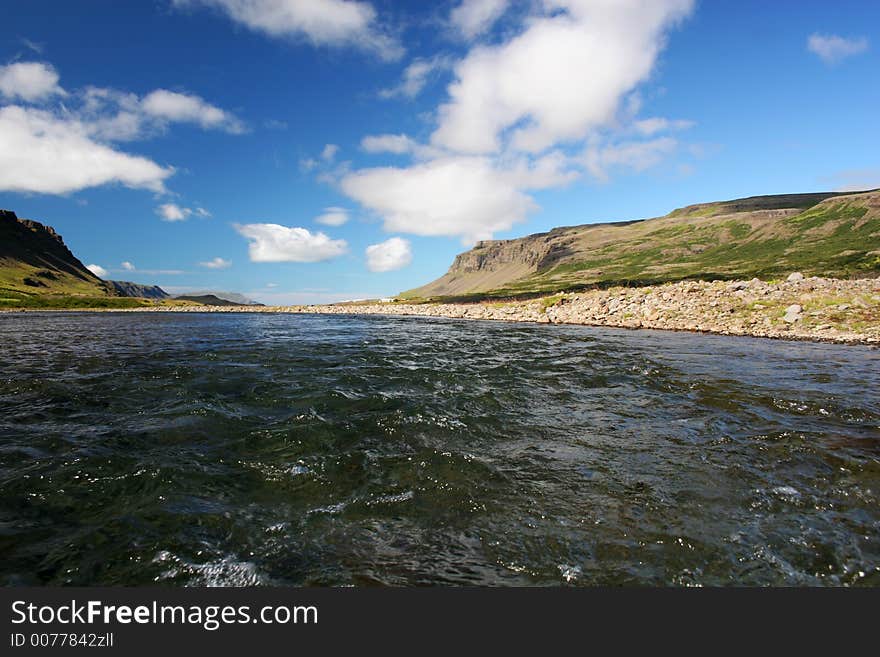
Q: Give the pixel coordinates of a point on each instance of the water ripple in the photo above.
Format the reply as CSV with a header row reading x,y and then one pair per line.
x,y
274,449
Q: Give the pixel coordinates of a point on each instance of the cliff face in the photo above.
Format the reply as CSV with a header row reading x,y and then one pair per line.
x,y
34,259
828,233
127,289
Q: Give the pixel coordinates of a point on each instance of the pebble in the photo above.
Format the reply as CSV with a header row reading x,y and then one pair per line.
x,y
724,307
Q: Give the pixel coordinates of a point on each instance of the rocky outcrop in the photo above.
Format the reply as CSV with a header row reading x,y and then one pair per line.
x,y
829,234
38,245
35,260
127,289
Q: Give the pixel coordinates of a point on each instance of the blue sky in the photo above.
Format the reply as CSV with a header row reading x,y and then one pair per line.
x,y
202,141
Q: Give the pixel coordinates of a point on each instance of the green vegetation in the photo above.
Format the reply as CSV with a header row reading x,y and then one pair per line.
x,y
13,299
549,302
757,237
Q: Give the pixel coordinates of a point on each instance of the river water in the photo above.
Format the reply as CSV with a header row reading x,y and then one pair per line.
x,y
223,449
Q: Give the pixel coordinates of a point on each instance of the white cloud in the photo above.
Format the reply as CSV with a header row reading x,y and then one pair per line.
x,y
49,154
398,144
635,155
393,253
323,22
563,83
474,17
216,263
32,45
276,243
97,270
188,108
415,77
173,212
115,115
67,145
329,152
453,196
655,125
29,81
558,80
333,217
127,266
832,48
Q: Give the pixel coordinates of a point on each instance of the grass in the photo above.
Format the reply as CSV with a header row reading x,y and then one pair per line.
x,y
835,241
14,299
548,302
10,299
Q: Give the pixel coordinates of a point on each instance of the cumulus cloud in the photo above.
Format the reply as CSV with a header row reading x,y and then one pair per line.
x,y
45,153
453,196
562,77
127,266
333,217
61,147
97,270
538,110
654,125
832,48
474,17
323,22
177,107
276,243
398,144
114,115
415,77
389,255
216,263
634,155
29,81
329,152
173,212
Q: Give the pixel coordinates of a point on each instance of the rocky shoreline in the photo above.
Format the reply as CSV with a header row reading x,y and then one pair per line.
x,y
797,308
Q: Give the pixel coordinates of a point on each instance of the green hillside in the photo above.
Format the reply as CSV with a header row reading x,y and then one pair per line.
x,y
834,235
37,270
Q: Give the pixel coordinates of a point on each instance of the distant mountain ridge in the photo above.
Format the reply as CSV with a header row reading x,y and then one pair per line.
x,y
835,234
233,297
210,300
128,289
37,269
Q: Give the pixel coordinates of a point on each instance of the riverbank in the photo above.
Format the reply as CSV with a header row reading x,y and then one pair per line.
x,y
798,308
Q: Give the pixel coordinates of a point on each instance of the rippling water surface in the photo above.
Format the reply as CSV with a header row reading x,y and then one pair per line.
x,y
304,450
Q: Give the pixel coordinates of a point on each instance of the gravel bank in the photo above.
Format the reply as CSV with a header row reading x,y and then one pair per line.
x,y
798,308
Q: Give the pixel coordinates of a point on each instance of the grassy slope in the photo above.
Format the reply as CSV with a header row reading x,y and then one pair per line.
x,y
37,270
838,237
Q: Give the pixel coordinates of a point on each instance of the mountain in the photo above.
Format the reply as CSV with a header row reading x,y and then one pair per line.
x,y
127,289
830,234
38,270
35,260
236,298
207,300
